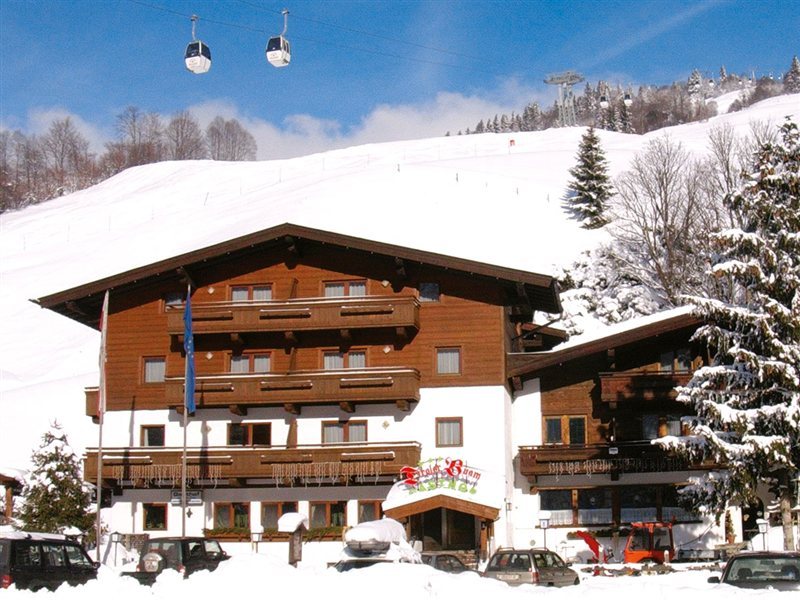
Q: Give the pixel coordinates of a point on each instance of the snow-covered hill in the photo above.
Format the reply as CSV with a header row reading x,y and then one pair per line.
x,y
494,198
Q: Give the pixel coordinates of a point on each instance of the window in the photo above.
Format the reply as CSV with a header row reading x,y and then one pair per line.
x,y
448,361
254,293
369,510
155,369
155,516
334,289
328,514
152,435
272,511
337,432
594,506
173,299
249,434
449,431
428,292
232,514
637,503
573,426
354,359
559,503
251,363
552,429
655,426
676,361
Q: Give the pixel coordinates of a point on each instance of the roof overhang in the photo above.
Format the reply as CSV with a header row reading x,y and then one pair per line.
x,y
526,365
82,303
443,501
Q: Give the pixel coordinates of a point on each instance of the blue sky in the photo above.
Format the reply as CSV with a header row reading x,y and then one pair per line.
x,y
361,71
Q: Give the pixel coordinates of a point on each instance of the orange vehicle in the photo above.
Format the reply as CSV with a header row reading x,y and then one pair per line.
x,y
650,542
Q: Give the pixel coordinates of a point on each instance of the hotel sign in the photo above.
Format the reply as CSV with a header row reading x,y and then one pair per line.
x,y
440,474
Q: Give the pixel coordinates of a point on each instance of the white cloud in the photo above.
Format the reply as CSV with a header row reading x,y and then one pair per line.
x,y
302,134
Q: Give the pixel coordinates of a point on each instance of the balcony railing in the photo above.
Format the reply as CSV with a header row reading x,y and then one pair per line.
x,y
233,465
303,314
638,386
345,387
589,459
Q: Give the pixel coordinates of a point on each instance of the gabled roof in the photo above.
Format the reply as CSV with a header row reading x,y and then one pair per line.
x,y
83,302
621,334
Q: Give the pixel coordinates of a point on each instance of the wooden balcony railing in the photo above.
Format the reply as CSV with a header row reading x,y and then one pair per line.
x,y
636,387
589,459
233,465
303,314
346,387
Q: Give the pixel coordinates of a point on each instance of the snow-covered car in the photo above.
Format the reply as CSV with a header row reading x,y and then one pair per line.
x,y
183,554
775,570
375,542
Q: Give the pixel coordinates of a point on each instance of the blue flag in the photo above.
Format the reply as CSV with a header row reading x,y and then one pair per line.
x,y
188,346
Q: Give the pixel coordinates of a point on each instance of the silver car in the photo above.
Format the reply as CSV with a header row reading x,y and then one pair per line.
x,y
537,566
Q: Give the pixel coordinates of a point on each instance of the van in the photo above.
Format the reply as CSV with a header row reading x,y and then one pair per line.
x,y
35,561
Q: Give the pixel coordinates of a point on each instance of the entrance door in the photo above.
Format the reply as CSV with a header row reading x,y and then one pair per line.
x,y
444,529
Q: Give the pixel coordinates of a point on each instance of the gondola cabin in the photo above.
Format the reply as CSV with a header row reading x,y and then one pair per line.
x,y
198,57
278,51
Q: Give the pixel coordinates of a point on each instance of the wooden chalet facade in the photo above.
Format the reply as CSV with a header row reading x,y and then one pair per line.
x,y
600,402
325,364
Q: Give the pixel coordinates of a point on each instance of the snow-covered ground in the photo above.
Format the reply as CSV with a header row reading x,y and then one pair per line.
x,y
494,198
269,578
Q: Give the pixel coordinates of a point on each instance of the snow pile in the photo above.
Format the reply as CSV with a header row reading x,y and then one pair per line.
x,y
386,581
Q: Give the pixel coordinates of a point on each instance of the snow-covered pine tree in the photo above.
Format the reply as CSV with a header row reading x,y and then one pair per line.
x,y
590,186
694,85
747,400
54,496
791,80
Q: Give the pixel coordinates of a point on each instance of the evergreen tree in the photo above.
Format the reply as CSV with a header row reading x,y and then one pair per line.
x,y
747,400
590,188
694,85
54,496
791,80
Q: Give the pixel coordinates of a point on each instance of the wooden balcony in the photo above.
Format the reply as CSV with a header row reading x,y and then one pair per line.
x,y
640,387
589,459
346,387
305,314
233,465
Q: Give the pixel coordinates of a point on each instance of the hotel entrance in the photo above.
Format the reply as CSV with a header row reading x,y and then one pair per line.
x,y
445,529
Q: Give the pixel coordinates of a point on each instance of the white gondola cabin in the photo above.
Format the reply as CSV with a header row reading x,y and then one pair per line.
x,y
198,57
278,50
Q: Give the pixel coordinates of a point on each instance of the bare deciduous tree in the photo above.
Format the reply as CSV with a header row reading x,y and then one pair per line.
x,y
184,138
228,140
661,223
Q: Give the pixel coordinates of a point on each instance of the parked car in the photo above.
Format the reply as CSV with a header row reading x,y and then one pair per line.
x,y
444,562
184,554
538,566
35,561
776,570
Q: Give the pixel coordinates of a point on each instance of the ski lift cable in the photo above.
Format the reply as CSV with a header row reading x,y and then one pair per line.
x,y
326,43
378,36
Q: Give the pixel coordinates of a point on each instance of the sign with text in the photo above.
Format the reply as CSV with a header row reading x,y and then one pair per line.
x,y
193,498
441,473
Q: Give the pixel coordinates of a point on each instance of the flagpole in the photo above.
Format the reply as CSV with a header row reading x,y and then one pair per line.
x,y
188,390
101,409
